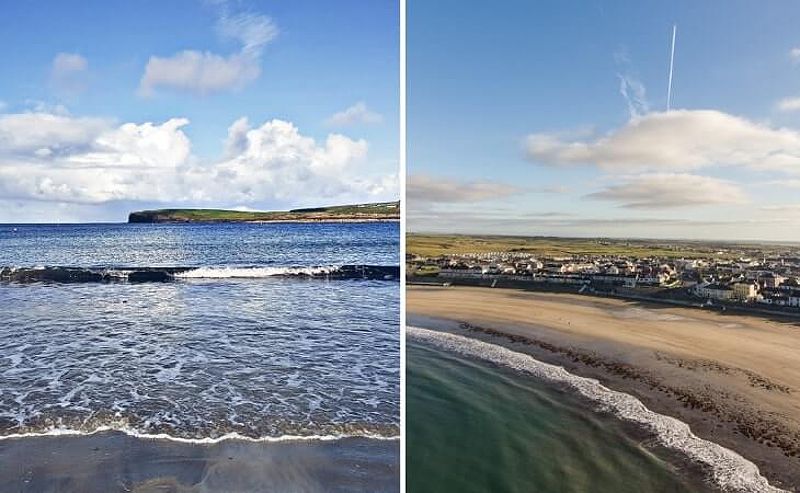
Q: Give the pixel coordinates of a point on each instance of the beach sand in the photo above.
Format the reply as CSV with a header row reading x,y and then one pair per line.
x,y
735,379
113,461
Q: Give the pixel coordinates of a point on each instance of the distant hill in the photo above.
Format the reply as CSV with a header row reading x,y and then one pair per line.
x,y
381,211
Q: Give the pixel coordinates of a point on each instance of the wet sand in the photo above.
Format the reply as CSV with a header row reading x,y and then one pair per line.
x,y
735,379
115,462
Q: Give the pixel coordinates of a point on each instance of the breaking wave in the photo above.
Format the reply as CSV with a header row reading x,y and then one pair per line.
x,y
166,274
253,272
729,470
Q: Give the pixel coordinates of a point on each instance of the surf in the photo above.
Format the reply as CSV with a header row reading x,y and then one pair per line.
x,y
725,468
69,274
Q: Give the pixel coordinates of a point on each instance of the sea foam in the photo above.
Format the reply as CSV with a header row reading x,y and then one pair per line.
x,y
726,468
253,272
60,432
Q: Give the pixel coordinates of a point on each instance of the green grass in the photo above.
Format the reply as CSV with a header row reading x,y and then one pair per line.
x,y
383,210
432,245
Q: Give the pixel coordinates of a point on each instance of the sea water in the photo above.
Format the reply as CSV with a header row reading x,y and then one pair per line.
x,y
238,345
486,418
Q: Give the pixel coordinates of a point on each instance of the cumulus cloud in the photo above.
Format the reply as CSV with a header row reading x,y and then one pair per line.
x,y
669,190
794,53
54,132
676,140
68,73
59,158
203,72
276,161
89,161
423,188
356,114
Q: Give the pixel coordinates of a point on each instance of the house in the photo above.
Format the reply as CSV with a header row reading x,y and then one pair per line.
x,y
771,280
744,291
714,291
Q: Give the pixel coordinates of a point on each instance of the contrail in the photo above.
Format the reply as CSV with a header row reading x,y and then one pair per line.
x,y
671,65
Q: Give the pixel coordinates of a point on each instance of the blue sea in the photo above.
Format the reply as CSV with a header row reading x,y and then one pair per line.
x,y
249,333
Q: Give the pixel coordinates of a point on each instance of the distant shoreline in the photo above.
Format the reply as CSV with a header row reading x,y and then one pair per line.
x,y
374,212
276,221
727,377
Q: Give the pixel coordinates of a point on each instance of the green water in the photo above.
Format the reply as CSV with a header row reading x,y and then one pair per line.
x,y
473,427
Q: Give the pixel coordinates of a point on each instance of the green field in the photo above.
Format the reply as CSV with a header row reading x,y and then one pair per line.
x,y
374,211
432,245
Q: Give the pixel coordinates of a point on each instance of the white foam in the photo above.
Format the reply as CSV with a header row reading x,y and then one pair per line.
x,y
54,432
252,272
729,470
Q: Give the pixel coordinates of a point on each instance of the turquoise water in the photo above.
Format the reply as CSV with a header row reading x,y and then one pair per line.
x,y
474,427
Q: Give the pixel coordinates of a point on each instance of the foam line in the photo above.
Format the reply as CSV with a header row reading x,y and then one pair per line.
x,y
66,274
56,432
726,468
252,272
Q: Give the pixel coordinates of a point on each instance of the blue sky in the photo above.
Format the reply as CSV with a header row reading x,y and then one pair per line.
x,y
517,121
90,76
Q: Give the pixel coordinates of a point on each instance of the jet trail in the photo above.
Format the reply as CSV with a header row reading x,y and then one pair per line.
x,y
671,65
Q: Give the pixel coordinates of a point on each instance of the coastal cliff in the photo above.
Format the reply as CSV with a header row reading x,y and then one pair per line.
x,y
382,211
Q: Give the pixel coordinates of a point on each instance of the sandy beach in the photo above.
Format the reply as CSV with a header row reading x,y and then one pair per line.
x,y
735,379
113,461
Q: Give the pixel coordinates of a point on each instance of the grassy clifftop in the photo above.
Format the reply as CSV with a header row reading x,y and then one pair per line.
x,y
382,211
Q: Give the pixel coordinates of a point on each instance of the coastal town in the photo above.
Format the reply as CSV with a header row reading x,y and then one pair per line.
x,y
734,277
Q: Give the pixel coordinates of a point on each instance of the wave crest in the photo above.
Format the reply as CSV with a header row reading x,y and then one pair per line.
x,y
253,272
63,274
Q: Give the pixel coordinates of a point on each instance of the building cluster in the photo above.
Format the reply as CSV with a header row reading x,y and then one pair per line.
x,y
767,280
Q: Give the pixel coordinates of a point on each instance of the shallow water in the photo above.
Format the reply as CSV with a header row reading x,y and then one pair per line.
x,y
201,357
476,427
115,462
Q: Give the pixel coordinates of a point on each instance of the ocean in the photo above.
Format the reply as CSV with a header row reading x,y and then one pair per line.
x,y
200,333
487,417
480,427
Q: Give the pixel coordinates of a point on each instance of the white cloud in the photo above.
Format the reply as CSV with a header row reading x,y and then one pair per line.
x,y
68,73
670,190
356,114
276,161
795,53
423,188
790,183
789,104
253,31
67,63
93,163
634,93
676,140
28,132
205,72
197,72
787,208
64,159
630,87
